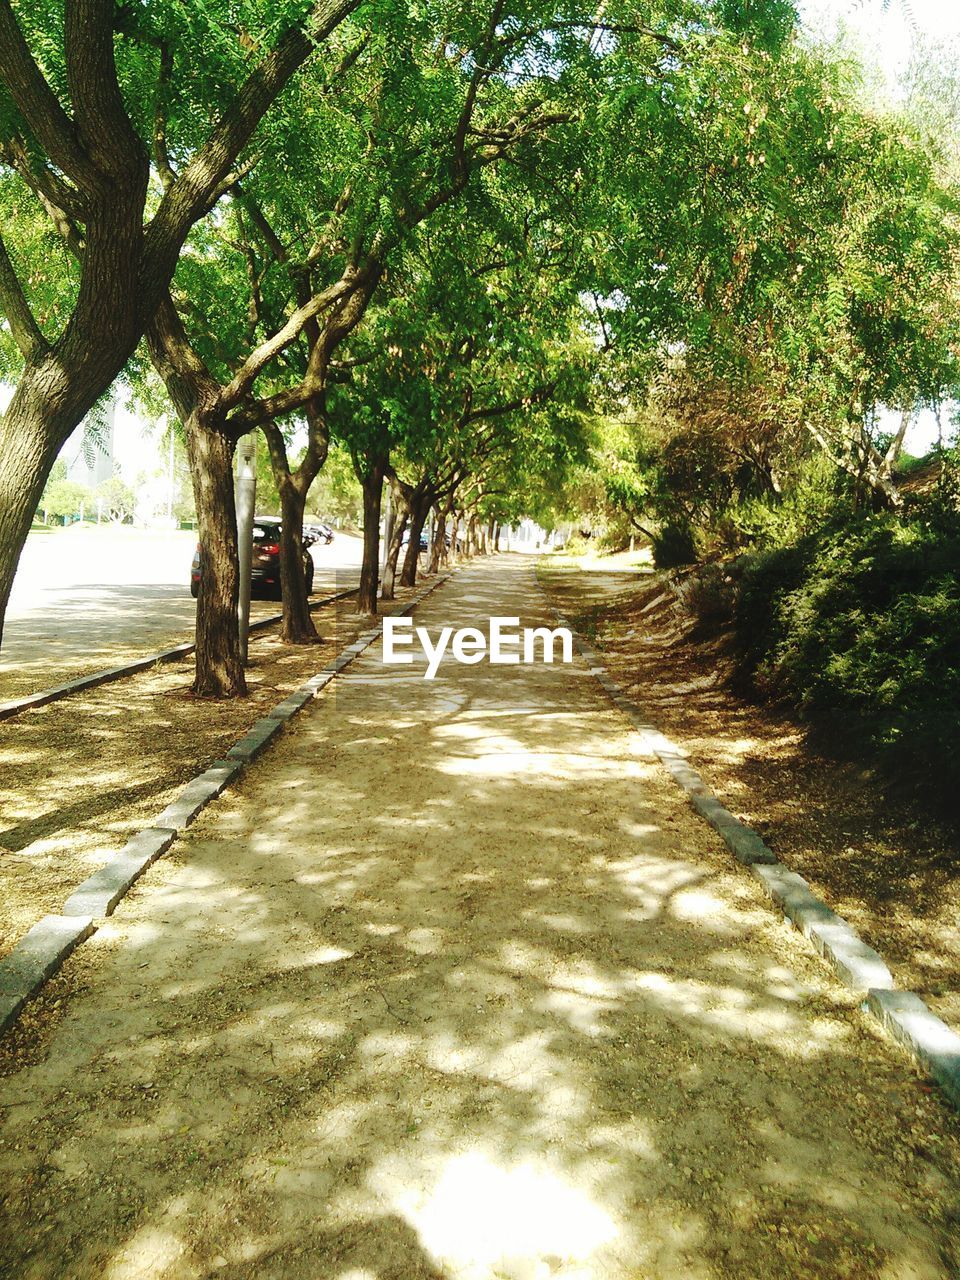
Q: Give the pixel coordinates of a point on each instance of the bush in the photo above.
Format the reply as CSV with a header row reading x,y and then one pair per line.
x,y
674,546
763,522
710,595
858,627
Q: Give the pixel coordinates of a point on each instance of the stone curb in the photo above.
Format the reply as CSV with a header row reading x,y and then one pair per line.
x,y
110,674
859,966
902,1013
198,793
43,949
35,958
99,894
930,1041
257,739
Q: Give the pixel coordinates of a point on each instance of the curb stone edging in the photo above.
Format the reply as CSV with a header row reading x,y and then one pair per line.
x,y
99,894
198,793
931,1041
43,949
37,956
905,1017
110,674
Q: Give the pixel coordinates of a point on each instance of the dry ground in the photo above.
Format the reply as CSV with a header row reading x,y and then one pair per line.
x,y
78,777
455,986
887,866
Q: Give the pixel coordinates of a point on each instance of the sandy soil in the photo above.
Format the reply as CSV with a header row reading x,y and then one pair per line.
x,y
883,862
78,777
456,986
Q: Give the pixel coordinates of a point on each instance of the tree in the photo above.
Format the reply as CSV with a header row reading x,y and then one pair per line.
x,y
92,101
299,274
811,281
63,499
118,499
471,361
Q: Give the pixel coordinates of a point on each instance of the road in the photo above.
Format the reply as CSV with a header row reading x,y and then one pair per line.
x,y
454,985
86,598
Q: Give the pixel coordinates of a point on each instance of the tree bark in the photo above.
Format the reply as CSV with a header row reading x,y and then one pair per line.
x,y
372,483
26,459
219,665
297,626
419,510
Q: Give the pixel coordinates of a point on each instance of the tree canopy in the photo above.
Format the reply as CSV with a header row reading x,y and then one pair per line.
x,y
665,261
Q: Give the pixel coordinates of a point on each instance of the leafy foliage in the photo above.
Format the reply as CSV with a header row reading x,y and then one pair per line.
x,y
858,626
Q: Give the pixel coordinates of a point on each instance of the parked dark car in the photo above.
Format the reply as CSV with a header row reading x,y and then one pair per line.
x,y
265,567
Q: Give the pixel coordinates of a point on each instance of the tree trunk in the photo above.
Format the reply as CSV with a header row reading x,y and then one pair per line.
x,y
419,510
293,485
387,587
219,667
26,459
297,626
399,492
438,547
372,482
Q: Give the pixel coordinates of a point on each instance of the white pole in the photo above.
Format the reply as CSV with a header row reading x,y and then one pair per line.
x,y
246,502
170,476
387,528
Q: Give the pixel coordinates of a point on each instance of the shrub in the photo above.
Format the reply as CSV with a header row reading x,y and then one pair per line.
x,y
858,626
710,594
674,546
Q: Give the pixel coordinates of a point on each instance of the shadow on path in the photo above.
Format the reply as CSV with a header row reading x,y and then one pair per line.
x,y
456,986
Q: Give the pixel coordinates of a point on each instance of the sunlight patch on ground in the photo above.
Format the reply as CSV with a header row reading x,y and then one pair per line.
x,y
482,1218
700,905
524,1062
543,765
151,1252
734,1011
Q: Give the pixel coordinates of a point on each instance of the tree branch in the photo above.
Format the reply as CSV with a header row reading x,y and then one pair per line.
x,y
161,157
101,119
614,28
13,303
59,202
198,182
257,360
38,103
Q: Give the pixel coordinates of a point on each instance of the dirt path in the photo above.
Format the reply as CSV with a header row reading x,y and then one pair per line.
x,y
456,986
873,852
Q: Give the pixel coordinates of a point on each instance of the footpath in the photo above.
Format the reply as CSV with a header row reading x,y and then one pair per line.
x,y
455,984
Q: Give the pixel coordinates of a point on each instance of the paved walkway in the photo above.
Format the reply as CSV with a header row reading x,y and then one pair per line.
x,y
455,985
